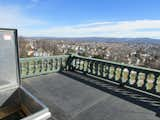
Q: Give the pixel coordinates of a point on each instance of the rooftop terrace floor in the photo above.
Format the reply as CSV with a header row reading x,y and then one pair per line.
x,y
72,96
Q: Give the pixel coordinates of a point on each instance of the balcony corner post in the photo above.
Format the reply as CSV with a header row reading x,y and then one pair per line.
x,y
69,63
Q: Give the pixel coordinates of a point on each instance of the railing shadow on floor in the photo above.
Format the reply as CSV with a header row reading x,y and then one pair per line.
x,y
146,101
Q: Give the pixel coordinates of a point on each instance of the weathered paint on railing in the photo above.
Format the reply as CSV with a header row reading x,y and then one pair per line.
x,y
144,79
42,65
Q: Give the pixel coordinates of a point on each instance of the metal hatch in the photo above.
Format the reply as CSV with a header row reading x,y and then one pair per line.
x,y
15,101
9,70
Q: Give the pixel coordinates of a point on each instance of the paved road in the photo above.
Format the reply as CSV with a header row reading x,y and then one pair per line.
x,y
70,99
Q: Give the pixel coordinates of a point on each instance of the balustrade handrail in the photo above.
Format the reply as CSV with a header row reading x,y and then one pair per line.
x,y
119,64
42,57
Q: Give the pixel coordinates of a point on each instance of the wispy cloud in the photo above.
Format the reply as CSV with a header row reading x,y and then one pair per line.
x,y
137,28
14,17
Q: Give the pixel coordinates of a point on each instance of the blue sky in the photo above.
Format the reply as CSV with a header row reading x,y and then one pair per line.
x,y
79,18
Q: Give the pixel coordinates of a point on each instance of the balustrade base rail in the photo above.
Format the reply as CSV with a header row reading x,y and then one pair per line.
x,y
139,78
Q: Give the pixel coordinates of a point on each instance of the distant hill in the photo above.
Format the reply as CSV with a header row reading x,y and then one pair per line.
x,y
101,39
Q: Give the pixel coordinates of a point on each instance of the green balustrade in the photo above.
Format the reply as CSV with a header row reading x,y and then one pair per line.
x,y
139,78
42,65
